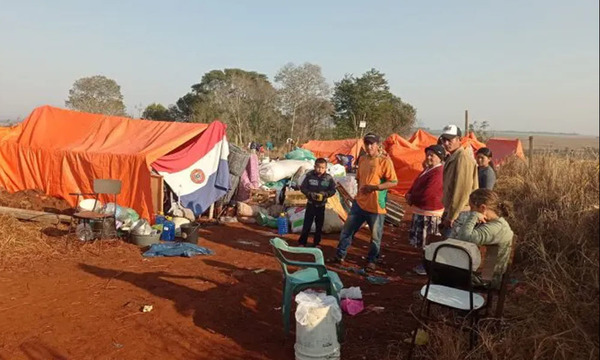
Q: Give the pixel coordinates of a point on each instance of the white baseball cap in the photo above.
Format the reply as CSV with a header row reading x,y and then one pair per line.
x,y
451,131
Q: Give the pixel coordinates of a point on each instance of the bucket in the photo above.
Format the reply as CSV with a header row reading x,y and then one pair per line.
x,y
317,338
145,240
189,232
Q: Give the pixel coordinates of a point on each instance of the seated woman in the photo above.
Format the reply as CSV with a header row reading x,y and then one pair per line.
x,y
486,225
425,199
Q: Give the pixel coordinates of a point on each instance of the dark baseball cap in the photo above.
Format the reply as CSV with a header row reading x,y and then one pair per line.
x,y
438,150
371,138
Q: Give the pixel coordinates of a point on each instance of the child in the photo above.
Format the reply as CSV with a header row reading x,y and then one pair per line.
x,y
485,169
317,186
485,224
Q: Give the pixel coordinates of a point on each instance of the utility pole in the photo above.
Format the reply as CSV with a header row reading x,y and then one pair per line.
x,y
466,132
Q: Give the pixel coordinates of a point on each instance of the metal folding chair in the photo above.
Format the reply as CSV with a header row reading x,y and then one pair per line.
x,y
108,187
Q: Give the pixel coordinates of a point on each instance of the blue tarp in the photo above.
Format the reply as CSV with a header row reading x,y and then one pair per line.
x,y
176,249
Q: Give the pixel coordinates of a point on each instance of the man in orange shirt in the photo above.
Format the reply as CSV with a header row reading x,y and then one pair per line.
x,y
375,176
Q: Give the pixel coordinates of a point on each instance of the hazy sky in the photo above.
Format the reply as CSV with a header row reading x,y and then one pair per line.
x,y
520,65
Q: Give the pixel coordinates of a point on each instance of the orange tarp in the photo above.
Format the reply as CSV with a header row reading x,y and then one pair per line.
x,y
502,149
471,140
60,152
423,139
330,148
408,161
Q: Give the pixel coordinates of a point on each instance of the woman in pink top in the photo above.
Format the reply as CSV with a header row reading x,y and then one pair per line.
x,y
425,200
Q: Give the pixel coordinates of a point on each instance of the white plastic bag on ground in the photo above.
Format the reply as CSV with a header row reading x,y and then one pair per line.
x,y
351,293
278,170
296,216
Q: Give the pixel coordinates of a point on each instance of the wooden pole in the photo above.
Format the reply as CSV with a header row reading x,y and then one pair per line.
x,y
32,215
211,211
466,122
530,151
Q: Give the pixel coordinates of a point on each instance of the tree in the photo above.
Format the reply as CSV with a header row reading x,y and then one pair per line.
x,y
368,98
303,98
156,111
245,100
480,129
96,94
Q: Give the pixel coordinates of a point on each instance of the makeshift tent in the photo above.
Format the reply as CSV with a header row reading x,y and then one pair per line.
x,y
471,140
330,148
61,152
423,139
408,161
502,149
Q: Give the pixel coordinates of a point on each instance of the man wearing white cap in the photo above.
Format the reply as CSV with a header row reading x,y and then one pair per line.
x,y
460,177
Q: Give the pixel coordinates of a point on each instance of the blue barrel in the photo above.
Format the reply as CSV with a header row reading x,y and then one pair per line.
x,y
282,224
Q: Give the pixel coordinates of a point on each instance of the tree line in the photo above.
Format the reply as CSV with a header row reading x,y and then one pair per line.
x,y
298,104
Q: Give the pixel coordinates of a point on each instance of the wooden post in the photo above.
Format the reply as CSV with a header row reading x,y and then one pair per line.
x,y
530,151
466,123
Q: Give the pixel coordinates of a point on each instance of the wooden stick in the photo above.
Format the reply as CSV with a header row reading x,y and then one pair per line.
x,y
32,215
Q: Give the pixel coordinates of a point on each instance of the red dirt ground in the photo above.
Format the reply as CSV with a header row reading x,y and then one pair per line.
x,y
87,306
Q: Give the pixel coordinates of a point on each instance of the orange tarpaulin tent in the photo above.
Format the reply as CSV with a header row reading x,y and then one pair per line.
x,y
502,149
60,152
408,161
471,140
423,139
328,149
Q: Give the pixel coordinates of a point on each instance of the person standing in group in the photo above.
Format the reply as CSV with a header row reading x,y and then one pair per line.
x,y
486,171
425,199
317,186
375,176
460,177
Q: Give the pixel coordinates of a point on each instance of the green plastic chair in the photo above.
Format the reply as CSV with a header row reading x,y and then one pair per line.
x,y
312,275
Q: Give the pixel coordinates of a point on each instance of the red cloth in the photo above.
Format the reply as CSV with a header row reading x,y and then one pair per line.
x,y
427,190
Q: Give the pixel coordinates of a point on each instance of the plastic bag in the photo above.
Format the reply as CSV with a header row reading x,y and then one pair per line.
x,y
266,220
352,306
309,300
278,170
296,216
348,183
141,227
84,232
336,170
300,154
332,222
300,174
351,293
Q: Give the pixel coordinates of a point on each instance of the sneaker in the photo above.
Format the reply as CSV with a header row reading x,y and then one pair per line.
x,y
371,267
420,270
335,260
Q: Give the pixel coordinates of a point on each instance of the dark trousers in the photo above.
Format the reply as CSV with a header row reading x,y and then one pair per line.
x,y
316,214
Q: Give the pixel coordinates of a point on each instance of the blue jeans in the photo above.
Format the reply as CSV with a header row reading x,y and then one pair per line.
x,y
355,220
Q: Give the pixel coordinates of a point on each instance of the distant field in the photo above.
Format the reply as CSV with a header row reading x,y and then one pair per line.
x,y
547,140
560,142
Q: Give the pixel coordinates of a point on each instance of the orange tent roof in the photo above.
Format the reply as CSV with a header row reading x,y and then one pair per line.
x,y
471,140
328,149
61,151
423,139
408,161
502,149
